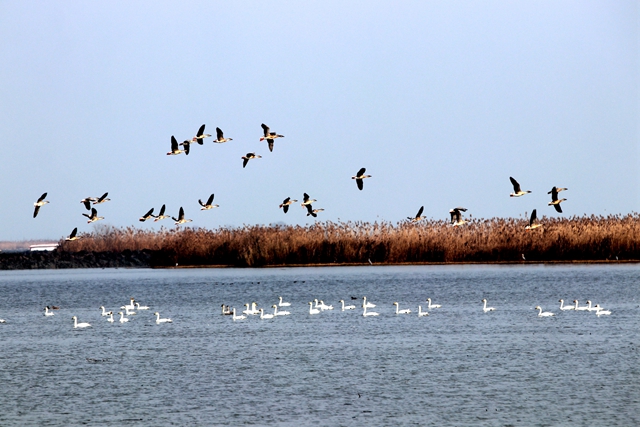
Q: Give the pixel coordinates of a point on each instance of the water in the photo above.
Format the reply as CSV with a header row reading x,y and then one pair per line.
x,y
456,367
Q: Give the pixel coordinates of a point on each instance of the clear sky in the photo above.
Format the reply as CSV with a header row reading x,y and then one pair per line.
x,y
441,101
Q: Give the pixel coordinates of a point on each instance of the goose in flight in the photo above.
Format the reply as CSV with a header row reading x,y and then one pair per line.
x,y
208,205
175,148
146,216
199,136
248,157
181,220
456,216
269,136
93,217
533,221
360,176
286,202
558,189
418,216
306,200
554,199
313,212
161,214
517,191
41,202
73,235
101,199
220,137
87,202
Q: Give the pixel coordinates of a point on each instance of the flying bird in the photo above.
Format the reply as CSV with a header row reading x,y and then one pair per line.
x,y
418,216
208,205
101,199
200,136
180,220
517,191
87,202
269,136
175,148
456,216
285,204
73,235
41,202
554,198
146,216
306,200
533,222
220,137
161,214
248,157
93,217
359,177
313,212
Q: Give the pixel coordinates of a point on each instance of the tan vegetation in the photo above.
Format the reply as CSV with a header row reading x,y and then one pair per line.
x,y
491,240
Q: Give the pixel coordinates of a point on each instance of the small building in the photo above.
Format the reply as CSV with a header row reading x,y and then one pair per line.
x,y
43,247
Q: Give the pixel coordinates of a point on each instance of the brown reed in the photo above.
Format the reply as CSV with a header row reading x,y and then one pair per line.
x,y
587,238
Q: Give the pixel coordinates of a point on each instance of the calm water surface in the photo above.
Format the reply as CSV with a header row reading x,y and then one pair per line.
x,y
456,367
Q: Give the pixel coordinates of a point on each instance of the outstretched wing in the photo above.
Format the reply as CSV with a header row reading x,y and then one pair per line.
x,y
285,208
360,184
35,211
174,143
266,130
200,132
219,133
305,197
516,186
558,208
73,233
42,197
420,212
244,163
270,142
533,217
361,172
181,214
210,200
162,210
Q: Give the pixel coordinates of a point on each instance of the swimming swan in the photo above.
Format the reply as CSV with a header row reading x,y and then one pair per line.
x,y
485,308
122,318
104,312
159,320
323,306
589,308
543,314
265,316
283,304
421,313
585,308
432,306
398,311
601,311
237,317
347,307
279,313
110,319
79,325
141,307
47,312
366,304
569,307
313,310
369,314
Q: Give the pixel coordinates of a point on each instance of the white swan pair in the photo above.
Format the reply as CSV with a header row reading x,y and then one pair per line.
x,y
322,306
601,311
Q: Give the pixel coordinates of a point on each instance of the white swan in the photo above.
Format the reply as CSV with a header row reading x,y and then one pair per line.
x,y
129,312
104,312
589,308
324,306
569,307
284,304
265,316
432,306
254,308
279,313
366,304
47,312
313,310
369,314
110,319
141,307
159,320
398,311
347,307
131,306
79,325
585,308
242,317
601,311
485,308
122,318
3,321
421,313
543,314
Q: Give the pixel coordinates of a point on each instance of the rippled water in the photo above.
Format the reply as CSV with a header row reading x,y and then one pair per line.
x,y
456,367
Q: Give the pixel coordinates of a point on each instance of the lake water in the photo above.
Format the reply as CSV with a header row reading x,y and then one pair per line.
x,y
457,367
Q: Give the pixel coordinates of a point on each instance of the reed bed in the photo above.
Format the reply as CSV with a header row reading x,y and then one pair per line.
x,y
587,238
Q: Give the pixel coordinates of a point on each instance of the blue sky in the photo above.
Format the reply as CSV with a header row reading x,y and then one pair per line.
x,y
440,101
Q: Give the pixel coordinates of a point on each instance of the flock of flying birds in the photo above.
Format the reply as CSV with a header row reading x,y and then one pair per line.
x,y
270,137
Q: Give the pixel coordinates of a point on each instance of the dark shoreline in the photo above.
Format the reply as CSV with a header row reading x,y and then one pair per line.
x,y
158,259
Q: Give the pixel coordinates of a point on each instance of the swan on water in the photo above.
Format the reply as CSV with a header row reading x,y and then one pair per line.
x,y
47,312
110,319
265,316
141,307
159,320
543,314
589,308
241,317
248,310
254,309
122,318
104,312
369,314
485,308
569,307
79,325
398,311
131,306
347,307
324,306
421,313
366,304
601,311
283,304
279,313
431,306
313,310
585,308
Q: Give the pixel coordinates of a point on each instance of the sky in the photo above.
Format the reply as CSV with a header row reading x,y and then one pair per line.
x,y
441,102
